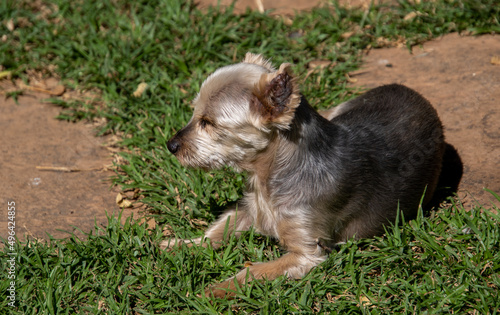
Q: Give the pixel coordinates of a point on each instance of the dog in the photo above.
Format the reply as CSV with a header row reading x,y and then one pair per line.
x,y
314,180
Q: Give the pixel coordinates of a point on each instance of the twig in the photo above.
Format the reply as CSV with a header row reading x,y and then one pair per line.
x,y
361,71
260,6
67,169
57,91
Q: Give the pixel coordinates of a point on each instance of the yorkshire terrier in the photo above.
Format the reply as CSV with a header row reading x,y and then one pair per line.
x,y
314,180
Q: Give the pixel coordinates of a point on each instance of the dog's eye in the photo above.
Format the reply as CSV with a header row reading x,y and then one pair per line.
x,y
205,122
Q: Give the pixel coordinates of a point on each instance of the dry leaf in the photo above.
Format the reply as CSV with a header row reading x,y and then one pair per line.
x,y
319,64
350,80
140,89
126,204
287,20
119,198
347,35
315,65
199,222
10,25
411,16
101,304
6,74
495,60
364,300
122,202
330,298
58,90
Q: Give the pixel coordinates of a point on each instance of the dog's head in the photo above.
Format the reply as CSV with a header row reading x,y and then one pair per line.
x,y
236,114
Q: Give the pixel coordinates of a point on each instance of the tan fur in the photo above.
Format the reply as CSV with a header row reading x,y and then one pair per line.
x,y
235,121
300,259
258,60
222,107
252,117
335,111
264,271
279,114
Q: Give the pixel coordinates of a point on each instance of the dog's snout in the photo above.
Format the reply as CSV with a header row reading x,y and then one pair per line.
x,y
173,145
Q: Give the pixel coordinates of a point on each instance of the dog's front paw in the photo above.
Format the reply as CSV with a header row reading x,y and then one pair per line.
x,y
223,290
171,243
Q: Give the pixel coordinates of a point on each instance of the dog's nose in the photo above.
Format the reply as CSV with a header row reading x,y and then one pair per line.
x,y
173,145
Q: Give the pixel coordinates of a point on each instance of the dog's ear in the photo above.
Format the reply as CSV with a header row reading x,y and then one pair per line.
x,y
275,97
258,60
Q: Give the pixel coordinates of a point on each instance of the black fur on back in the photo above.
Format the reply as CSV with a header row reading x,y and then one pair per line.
x,y
380,154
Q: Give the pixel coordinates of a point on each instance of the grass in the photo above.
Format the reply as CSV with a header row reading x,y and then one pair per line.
x,y
449,262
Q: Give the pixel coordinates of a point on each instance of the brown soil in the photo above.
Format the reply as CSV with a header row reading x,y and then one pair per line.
x,y
455,73
47,201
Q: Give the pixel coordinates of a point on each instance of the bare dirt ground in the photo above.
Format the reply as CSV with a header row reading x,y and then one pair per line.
x,y
455,73
73,190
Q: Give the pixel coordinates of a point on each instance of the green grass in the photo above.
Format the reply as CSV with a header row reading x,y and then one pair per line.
x,y
448,263
429,265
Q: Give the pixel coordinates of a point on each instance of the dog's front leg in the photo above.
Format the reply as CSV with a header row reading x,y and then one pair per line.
x,y
239,221
304,254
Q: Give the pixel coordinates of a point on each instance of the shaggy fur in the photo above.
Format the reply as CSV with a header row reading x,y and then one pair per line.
x,y
313,181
